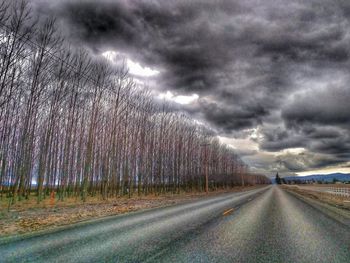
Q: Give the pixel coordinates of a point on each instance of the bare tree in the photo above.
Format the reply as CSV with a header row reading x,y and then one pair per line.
x,y
77,126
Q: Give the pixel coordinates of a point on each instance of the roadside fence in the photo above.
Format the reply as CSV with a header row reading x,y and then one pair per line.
x,y
339,191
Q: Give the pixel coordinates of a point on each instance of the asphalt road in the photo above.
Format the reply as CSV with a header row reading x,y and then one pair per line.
x,y
265,225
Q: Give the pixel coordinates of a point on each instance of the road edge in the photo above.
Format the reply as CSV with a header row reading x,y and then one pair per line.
x,y
338,214
17,237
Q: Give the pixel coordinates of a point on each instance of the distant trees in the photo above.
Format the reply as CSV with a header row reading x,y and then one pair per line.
x,y
75,125
278,179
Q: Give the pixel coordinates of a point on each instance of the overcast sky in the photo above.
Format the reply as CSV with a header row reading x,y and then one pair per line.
x,y
271,77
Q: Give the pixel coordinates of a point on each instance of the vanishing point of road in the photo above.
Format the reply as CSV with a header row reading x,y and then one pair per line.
x,y
262,225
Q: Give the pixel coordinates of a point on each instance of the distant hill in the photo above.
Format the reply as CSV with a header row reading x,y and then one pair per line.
x,y
329,178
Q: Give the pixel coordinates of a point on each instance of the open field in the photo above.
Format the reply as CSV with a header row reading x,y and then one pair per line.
x,y
28,215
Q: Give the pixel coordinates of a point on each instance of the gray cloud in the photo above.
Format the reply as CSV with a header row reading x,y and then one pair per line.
x,y
304,161
328,106
278,65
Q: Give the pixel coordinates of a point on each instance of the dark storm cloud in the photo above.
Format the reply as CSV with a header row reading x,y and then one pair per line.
x,y
329,106
293,48
324,147
322,118
275,141
304,161
230,117
275,64
174,36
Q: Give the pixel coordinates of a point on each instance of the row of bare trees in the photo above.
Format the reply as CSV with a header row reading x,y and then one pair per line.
x,y
75,125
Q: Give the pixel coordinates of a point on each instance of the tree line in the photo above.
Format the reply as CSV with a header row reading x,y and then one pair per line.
x,y
75,125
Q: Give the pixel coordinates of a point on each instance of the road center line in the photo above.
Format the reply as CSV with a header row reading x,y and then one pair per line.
x,y
228,212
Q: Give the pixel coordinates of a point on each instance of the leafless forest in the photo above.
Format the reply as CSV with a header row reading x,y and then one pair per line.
x,y
74,125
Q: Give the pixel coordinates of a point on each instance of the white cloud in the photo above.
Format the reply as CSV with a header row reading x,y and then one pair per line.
x,y
110,55
293,150
135,68
180,99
